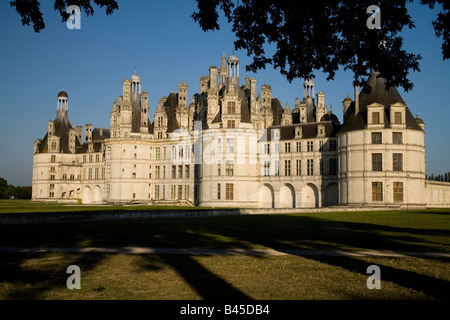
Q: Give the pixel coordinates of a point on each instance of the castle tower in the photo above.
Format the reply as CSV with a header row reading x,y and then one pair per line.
x,y
213,77
321,108
182,94
223,73
63,102
308,98
88,132
72,139
286,118
346,104
135,83
233,70
144,112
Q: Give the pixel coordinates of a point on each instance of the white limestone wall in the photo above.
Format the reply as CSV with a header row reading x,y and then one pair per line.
x,y
437,194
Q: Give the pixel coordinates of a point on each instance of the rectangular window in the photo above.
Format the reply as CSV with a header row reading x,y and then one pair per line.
x,y
219,169
164,172
310,146
321,167
172,192
376,137
97,158
397,117
277,167
267,148
53,145
287,147
375,117
156,192
96,173
266,168
299,146
157,172
397,162
53,159
218,191
231,124
90,174
320,145
230,145
186,192
52,195
398,191
229,191
287,167
180,172
333,145
52,169
229,168
377,163
84,158
133,175
158,153
186,172
174,172
180,192
231,107
310,167
164,153
397,138
333,166
150,172
377,191
90,158
103,174
299,167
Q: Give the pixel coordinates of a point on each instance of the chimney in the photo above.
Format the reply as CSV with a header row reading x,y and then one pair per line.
x,y
80,134
356,100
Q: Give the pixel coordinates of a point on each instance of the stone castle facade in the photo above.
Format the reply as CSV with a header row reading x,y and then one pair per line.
x,y
231,146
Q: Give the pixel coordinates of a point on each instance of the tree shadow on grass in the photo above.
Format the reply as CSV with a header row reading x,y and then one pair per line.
x,y
207,284
31,283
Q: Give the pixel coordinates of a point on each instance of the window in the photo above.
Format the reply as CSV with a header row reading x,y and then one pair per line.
x,y
174,172
310,146
231,107
333,166
277,148
97,158
277,167
231,124
96,173
310,167
397,161
90,174
267,148
84,158
266,168
90,158
299,167
299,146
287,147
229,191
157,172
150,172
229,168
164,153
180,172
397,117
180,192
219,169
287,167
377,191
186,172
52,195
218,191
230,145
333,145
186,192
376,137
174,152
321,167
320,145
375,117
219,146
53,159
156,192
398,191
172,192
103,174
52,169
158,153
397,138
377,164
133,175
53,145
52,186
180,152
164,172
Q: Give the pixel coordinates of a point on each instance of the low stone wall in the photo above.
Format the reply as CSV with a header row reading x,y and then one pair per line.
x,y
437,194
46,217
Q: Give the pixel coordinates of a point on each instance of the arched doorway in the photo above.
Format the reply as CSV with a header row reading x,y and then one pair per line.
x,y
310,196
87,195
97,195
287,196
332,194
265,196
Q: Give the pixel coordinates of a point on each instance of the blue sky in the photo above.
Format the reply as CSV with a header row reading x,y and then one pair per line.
x,y
165,45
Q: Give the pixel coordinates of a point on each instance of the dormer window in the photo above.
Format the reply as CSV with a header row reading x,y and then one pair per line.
x,y
375,118
397,117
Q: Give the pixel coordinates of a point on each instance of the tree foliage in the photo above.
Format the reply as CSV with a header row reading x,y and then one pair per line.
x,y
319,35
30,11
7,191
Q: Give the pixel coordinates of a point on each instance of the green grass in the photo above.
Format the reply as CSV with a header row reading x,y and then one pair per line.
x,y
42,276
27,206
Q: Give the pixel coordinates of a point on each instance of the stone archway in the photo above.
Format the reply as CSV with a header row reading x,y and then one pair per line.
x,y
287,196
97,195
310,196
265,196
87,195
332,194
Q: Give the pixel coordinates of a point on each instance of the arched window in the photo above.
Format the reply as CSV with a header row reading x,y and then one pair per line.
x,y
180,152
188,152
174,152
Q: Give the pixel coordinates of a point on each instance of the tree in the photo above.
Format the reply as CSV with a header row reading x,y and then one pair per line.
x,y
30,12
315,35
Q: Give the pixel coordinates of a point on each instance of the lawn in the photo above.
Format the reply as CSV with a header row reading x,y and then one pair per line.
x,y
119,276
